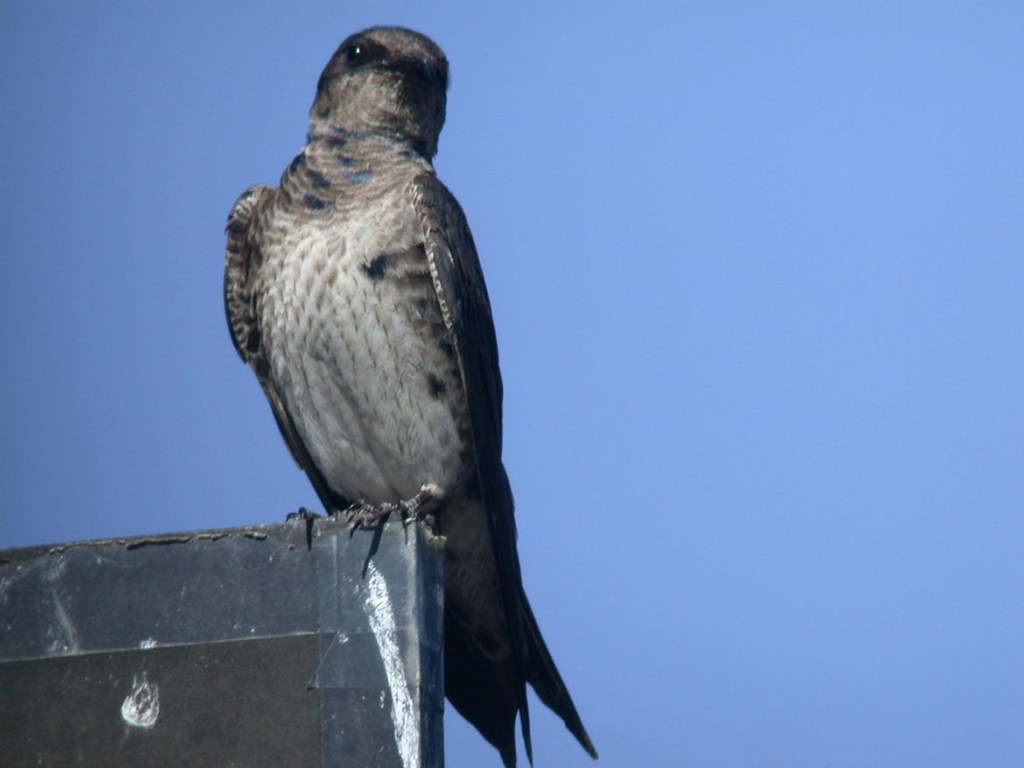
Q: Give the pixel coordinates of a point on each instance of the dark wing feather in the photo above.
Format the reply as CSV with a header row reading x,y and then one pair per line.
x,y
242,263
460,287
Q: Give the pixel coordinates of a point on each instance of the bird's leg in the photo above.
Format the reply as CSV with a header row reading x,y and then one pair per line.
x,y
420,507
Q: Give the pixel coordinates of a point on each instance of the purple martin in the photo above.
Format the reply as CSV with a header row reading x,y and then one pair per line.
x,y
354,292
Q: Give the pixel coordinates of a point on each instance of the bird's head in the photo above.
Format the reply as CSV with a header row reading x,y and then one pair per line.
x,y
386,80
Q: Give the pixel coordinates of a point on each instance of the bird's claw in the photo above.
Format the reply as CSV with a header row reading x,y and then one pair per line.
x,y
420,508
364,515
307,516
302,514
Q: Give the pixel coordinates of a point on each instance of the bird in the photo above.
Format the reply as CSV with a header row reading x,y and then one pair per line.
x,y
354,291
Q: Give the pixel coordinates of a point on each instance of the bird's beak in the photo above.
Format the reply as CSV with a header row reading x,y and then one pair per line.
x,y
411,65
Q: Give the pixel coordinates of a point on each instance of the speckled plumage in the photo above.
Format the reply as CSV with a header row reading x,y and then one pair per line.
x,y
354,292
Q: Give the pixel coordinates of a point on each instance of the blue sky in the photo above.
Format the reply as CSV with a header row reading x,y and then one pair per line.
x,y
757,280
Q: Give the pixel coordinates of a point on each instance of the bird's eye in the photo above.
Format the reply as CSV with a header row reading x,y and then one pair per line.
x,y
360,52
355,52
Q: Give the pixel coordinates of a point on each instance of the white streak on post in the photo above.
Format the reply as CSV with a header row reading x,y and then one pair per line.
x,y
141,707
377,604
70,635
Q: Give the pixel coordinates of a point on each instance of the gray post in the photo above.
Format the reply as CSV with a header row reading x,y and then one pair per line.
x,y
239,647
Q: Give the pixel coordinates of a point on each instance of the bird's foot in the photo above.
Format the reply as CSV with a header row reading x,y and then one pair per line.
x,y
364,515
420,508
302,514
307,516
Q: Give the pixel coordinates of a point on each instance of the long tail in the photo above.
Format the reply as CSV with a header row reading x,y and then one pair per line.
x,y
543,676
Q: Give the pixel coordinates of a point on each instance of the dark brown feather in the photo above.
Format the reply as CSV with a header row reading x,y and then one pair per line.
x,y
460,287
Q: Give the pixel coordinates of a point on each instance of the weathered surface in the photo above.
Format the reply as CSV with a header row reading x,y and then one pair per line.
x,y
247,646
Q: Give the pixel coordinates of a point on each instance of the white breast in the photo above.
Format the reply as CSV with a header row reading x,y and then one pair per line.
x,y
351,358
